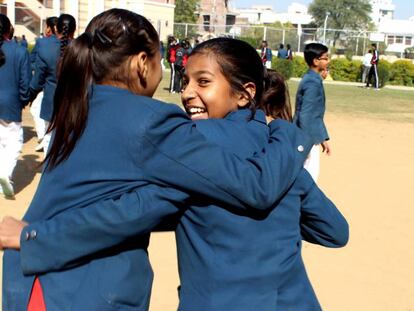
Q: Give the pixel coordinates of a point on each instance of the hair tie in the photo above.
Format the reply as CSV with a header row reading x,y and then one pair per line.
x,y
104,39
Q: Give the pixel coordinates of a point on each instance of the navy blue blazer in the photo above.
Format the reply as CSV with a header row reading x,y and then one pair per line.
x,y
44,77
15,78
223,254
310,107
160,145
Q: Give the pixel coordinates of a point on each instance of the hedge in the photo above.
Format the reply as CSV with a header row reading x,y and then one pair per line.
x,y
402,73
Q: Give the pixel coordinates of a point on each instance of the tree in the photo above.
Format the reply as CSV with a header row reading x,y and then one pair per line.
x,y
185,11
343,14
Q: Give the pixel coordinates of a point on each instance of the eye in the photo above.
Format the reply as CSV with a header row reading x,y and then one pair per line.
x,y
203,81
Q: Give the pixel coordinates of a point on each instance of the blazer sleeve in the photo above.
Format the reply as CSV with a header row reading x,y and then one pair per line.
x,y
321,222
187,161
24,77
72,237
312,111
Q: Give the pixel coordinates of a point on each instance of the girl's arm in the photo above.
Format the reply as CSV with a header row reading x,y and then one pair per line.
x,y
94,228
321,222
184,159
39,77
24,77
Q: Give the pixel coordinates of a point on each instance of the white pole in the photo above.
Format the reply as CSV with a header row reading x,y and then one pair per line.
x,y
264,33
324,27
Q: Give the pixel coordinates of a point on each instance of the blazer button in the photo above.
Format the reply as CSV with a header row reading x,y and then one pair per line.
x,y
300,148
27,236
33,234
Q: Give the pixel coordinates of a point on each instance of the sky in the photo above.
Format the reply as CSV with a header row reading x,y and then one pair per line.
x,y
403,8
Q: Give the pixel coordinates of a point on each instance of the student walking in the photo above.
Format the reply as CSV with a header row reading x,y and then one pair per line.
x,y
373,72
14,95
366,62
117,63
48,53
40,125
289,52
310,105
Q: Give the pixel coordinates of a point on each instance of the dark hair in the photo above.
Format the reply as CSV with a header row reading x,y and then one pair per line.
x,y
4,30
51,22
314,50
281,46
276,101
99,55
66,26
288,47
239,63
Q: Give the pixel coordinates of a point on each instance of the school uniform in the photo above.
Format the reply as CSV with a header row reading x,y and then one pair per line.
x,y
161,146
44,78
14,95
229,261
373,72
309,114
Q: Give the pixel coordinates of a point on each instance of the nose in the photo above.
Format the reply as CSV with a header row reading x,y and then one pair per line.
x,y
188,93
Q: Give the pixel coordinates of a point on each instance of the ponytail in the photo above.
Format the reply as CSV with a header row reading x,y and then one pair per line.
x,y
71,100
4,30
276,100
66,26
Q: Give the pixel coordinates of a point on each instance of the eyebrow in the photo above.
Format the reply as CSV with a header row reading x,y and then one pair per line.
x,y
200,72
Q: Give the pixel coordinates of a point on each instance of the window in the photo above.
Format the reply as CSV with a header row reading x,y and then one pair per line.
x,y
408,40
206,22
399,39
390,39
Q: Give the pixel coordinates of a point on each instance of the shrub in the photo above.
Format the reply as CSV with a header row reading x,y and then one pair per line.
x,y
299,67
402,73
384,68
342,69
283,66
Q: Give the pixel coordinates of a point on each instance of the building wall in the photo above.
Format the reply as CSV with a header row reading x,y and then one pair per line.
x,y
161,15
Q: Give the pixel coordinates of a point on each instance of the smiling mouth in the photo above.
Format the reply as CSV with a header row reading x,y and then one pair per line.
x,y
196,112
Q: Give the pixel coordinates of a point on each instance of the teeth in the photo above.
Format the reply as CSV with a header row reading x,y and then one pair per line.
x,y
196,110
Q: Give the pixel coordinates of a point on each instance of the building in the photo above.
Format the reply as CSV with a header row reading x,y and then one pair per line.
x,y
217,14
382,10
297,14
398,34
28,16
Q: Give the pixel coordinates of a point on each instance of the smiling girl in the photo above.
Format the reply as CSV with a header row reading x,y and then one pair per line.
x,y
228,261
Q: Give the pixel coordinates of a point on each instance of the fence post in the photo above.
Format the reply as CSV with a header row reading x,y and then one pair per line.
x,y
186,30
283,36
264,33
299,35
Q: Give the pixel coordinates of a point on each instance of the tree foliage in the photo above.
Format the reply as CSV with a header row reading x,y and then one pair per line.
x,y
185,11
343,14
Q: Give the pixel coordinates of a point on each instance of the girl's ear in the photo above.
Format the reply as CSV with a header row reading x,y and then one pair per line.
x,y
139,64
250,88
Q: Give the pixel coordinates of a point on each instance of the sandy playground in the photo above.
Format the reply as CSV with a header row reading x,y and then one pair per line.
x,y
369,176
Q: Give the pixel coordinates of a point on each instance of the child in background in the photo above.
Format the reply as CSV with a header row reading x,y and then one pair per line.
x,y
40,125
48,53
310,105
14,95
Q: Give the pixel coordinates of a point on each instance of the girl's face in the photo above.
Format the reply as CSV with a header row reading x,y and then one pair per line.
x,y
207,93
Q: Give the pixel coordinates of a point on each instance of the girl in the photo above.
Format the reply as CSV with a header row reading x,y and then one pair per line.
x,y
48,52
14,91
40,125
109,73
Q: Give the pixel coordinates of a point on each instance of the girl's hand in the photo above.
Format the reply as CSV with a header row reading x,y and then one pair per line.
x,y
326,148
10,231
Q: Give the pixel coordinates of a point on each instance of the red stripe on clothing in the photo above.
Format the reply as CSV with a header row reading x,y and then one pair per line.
x,y
36,301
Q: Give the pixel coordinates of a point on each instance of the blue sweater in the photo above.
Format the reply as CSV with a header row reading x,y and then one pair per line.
x,y
47,54
15,78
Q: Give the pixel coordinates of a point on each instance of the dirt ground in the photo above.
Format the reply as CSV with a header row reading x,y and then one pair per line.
x,y
369,176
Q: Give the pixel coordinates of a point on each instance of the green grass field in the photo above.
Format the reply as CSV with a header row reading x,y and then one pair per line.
x,y
385,104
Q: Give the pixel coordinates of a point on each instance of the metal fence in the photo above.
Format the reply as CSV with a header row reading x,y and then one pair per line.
x,y
339,40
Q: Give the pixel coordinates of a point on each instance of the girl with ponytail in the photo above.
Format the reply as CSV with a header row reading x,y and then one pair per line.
x,y
35,106
120,162
14,91
49,51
